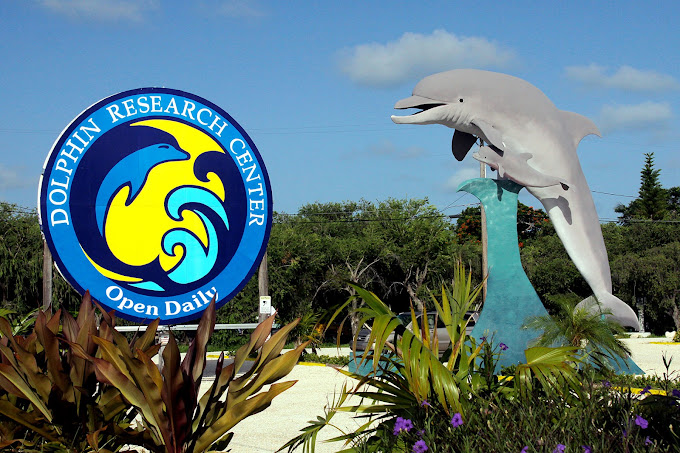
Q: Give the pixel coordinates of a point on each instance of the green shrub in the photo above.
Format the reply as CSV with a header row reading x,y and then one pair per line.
x,y
604,422
330,360
50,399
71,386
167,402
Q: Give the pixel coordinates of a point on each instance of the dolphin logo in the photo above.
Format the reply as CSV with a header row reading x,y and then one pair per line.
x,y
535,145
123,174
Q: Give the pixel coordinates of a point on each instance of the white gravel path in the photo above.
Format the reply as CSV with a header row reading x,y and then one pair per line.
x,y
648,354
292,411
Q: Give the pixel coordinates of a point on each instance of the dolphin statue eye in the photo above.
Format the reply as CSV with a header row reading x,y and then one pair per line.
x,y
460,100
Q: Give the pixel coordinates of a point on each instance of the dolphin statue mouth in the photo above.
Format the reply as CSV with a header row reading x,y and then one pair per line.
x,y
415,102
430,112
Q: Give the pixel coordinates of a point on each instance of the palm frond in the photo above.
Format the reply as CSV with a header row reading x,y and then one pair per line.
x,y
554,368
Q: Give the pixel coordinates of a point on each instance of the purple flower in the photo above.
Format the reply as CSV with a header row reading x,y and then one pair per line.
x,y
525,449
559,448
503,347
402,424
675,393
645,390
483,339
421,433
648,441
641,422
425,404
606,384
587,449
420,446
457,420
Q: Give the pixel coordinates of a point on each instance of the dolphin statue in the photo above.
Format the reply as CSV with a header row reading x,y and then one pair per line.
x,y
516,118
518,166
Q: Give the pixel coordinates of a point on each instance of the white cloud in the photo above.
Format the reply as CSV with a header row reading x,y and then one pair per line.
x,y
104,10
415,55
451,184
625,78
648,115
10,178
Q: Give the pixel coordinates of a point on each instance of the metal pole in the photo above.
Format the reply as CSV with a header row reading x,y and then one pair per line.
x,y
485,265
263,284
47,277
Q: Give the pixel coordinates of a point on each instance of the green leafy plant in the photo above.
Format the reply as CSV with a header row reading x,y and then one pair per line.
x,y
167,401
408,375
73,386
603,422
50,399
308,330
20,324
572,326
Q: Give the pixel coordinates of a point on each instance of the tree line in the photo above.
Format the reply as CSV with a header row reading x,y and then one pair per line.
x,y
401,249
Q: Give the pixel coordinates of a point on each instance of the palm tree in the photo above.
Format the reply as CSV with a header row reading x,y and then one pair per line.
x,y
595,332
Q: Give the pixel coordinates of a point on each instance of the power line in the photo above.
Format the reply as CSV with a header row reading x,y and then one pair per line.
x,y
441,215
614,194
334,128
609,220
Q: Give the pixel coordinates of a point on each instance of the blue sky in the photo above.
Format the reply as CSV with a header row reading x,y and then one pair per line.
x,y
314,83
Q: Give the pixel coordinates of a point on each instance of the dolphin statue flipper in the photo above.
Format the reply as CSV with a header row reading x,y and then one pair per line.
x,y
518,166
461,143
517,118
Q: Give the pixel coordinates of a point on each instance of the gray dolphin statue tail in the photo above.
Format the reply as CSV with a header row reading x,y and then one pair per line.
x,y
619,310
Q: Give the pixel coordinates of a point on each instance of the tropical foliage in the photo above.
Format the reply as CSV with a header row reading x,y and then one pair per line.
x,y
73,386
409,380
50,399
411,400
570,325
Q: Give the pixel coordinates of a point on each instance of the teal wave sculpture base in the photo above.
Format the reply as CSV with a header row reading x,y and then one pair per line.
x,y
510,297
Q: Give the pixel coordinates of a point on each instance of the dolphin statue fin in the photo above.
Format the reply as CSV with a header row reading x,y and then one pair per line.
x,y
578,126
525,157
492,134
461,144
617,309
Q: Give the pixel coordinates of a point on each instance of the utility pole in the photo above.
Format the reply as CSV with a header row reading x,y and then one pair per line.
x,y
485,265
263,286
47,277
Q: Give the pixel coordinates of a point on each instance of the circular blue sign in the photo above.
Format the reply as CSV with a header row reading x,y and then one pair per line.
x,y
156,200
